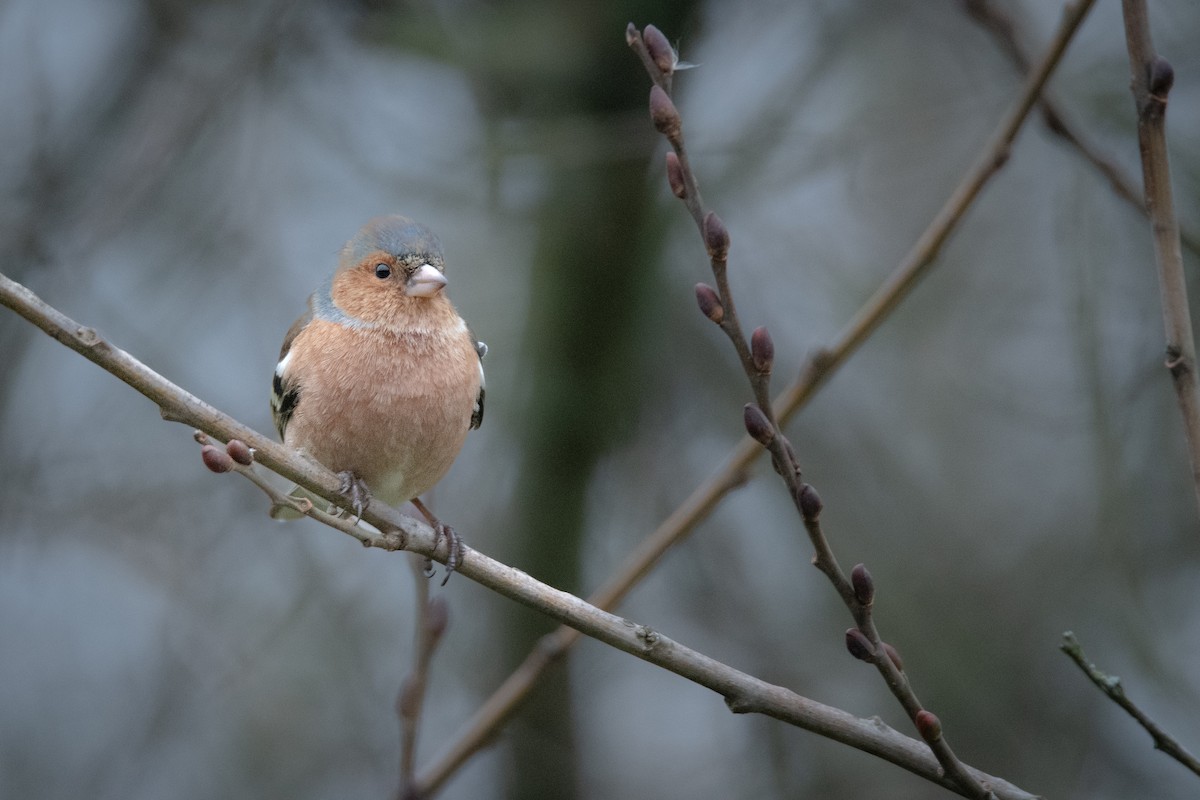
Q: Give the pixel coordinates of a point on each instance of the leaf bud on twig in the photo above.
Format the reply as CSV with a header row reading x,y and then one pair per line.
x,y
894,655
757,424
928,725
863,583
859,645
1160,77
660,50
239,452
762,349
664,115
409,698
631,34
810,502
675,175
215,458
716,237
437,617
710,304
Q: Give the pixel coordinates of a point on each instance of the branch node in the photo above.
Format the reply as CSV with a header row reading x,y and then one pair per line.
x,y
738,704
648,636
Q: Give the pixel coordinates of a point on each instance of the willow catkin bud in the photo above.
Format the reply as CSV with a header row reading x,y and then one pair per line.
x,y
408,699
859,645
716,237
863,583
240,452
710,304
660,50
664,115
1160,78
215,458
762,350
757,424
894,655
437,617
928,725
810,503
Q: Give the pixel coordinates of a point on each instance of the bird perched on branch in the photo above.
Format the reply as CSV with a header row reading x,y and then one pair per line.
x,y
381,379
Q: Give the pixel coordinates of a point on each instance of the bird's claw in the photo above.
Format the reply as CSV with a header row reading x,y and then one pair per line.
x,y
355,490
453,545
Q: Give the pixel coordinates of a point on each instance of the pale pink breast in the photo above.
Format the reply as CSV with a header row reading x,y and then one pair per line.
x,y
394,411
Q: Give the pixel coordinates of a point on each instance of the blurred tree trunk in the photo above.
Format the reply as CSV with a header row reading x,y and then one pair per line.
x,y
594,265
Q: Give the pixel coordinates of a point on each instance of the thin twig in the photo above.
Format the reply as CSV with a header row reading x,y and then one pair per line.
x,y
818,368
432,616
1111,686
742,692
1151,81
756,359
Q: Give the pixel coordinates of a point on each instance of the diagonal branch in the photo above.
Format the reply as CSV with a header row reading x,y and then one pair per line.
x,y
818,368
1111,686
742,692
757,354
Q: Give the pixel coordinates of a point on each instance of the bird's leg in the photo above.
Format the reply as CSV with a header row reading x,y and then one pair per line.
x,y
442,530
355,490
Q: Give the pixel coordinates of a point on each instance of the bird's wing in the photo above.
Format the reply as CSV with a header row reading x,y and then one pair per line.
x,y
285,390
477,413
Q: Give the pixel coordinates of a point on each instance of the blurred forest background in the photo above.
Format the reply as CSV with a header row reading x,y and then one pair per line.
x,y
1005,454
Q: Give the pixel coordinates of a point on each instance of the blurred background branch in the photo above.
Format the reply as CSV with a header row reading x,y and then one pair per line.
x,y
1112,688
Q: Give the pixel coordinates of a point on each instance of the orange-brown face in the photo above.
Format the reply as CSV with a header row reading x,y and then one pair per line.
x,y
382,287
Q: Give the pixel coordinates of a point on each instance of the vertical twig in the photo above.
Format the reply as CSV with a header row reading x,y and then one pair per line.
x,y
1152,77
432,616
757,353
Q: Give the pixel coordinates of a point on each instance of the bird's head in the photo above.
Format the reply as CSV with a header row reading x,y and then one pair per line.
x,y
392,266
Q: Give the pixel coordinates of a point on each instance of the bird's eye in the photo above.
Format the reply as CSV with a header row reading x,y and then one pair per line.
x,y
382,271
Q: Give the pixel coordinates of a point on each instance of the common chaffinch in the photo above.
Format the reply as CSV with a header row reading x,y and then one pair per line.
x,y
381,379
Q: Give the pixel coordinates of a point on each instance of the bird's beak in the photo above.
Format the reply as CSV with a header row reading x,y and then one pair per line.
x,y
425,282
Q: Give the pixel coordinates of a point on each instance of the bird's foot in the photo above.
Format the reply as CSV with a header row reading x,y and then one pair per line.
x,y
442,531
355,490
